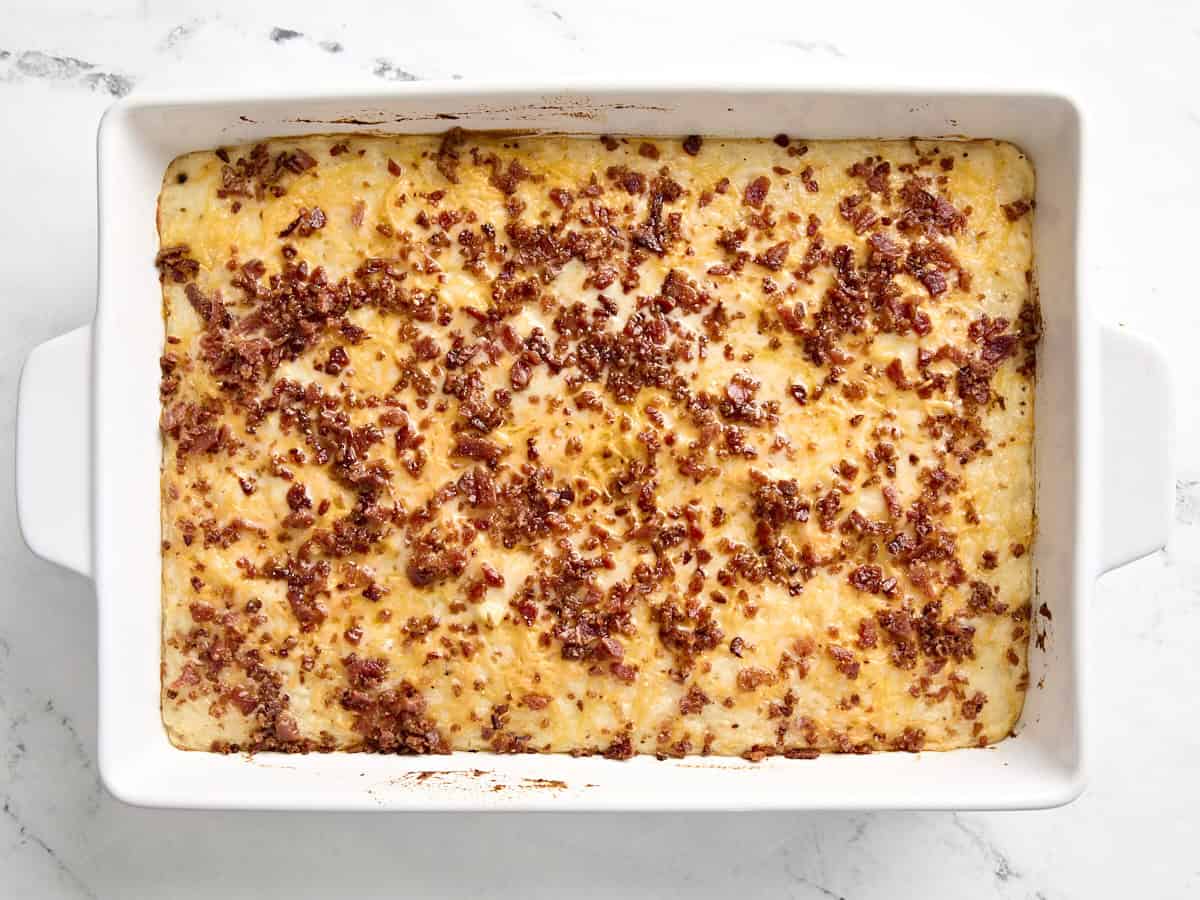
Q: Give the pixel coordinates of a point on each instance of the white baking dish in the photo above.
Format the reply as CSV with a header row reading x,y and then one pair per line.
x,y
88,461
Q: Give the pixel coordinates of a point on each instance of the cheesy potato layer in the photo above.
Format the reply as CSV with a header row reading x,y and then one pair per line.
x,y
596,445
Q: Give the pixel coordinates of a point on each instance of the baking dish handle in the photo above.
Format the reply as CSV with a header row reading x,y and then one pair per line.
x,y
1138,486
54,457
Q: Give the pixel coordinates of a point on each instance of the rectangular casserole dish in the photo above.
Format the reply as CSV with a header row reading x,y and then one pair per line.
x,y
89,449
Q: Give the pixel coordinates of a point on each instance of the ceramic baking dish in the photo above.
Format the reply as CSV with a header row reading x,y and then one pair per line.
x,y
88,462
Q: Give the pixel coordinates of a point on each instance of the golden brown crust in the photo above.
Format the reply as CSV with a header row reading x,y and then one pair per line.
x,y
596,446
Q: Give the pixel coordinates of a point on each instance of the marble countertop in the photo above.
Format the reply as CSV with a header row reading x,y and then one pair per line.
x,y
1134,833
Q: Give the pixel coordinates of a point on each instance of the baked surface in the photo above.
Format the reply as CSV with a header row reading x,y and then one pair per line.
x,y
596,445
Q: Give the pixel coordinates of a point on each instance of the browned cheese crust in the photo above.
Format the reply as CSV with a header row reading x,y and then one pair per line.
x,y
550,444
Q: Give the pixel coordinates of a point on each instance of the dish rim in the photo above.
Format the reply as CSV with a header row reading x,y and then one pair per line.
x,y
1067,783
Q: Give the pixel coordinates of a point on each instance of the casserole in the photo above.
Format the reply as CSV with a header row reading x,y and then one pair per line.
x,y
1127,488
740,506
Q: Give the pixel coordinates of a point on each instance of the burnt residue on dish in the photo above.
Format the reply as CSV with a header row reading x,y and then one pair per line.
x,y
462,777
518,112
345,120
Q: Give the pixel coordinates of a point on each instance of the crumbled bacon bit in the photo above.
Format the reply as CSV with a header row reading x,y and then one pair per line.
x,y
693,701
655,234
774,257
393,719
447,157
297,497
756,192
622,672
508,180
306,223
202,612
868,579
927,212
752,678
562,198
535,701
844,661
868,635
911,741
1013,211
779,502
478,448
433,560
177,264
858,213
620,748
194,427
895,373
972,706
337,360
827,509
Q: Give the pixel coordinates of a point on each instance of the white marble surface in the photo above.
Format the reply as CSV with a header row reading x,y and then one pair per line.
x,y
1134,833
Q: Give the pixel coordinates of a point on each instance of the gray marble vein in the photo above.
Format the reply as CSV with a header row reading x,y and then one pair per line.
x,y
26,836
39,65
1002,866
811,885
1187,502
282,35
824,47
557,19
390,71
179,35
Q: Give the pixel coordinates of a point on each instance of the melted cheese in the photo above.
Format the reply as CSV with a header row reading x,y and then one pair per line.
x,y
482,670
